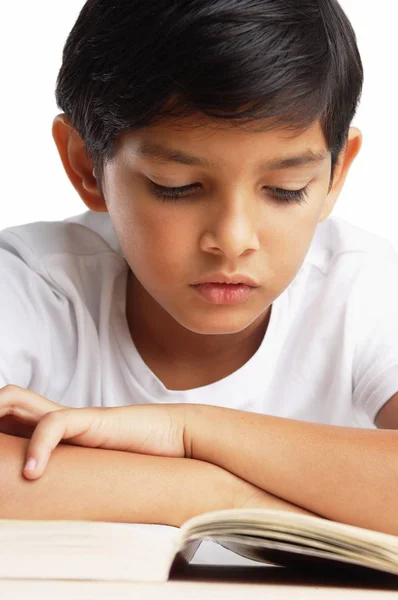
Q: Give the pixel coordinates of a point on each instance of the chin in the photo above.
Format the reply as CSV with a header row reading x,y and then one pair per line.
x,y
217,326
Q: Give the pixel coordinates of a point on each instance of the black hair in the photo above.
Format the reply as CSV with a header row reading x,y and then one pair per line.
x,y
128,64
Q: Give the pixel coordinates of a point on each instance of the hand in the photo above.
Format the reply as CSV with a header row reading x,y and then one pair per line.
x,y
144,429
20,410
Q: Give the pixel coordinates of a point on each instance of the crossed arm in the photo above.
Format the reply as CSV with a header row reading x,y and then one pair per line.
x,y
109,485
234,459
341,473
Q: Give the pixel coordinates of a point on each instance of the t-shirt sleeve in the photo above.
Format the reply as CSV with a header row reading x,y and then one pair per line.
x,y
24,329
374,311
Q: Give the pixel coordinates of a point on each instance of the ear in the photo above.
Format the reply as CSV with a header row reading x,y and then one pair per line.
x,y
345,160
77,163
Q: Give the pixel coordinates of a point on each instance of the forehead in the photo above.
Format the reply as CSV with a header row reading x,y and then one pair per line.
x,y
200,127
211,143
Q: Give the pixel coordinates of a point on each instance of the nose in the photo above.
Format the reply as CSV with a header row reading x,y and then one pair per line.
x,y
232,227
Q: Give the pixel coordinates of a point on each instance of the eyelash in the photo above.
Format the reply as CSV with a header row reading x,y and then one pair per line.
x,y
176,194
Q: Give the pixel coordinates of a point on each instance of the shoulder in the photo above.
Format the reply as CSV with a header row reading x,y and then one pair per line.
x,y
54,269
343,250
349,276
86,234
53,277
49,248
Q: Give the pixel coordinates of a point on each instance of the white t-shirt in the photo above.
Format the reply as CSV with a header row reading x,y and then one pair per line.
x,y
330,354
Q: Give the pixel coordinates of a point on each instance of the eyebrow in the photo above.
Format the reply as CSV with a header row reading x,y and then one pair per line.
x,y
165,154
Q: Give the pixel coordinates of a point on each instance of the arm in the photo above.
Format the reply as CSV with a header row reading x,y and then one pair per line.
x,y
340,473
97,484
343,474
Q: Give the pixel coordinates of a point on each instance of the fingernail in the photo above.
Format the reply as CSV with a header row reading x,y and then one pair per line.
x,y
30,465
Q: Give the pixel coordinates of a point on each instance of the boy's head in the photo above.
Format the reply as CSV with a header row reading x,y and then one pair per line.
x,y
209,95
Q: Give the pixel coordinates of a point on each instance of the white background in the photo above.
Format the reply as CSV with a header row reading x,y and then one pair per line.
x,y
34,186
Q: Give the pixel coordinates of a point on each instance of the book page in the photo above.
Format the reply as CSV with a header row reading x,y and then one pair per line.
x,y
86,550
263,534
238,520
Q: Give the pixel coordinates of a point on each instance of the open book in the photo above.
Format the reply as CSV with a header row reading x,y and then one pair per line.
x,y
133,552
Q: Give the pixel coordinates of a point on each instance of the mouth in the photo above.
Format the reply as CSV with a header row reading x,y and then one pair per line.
x,y
224,293
221,278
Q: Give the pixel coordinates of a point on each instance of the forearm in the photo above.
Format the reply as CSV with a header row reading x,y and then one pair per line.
x,y
105,485
343,474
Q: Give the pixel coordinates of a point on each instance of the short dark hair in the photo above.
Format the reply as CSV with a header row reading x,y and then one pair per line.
x,y
132,63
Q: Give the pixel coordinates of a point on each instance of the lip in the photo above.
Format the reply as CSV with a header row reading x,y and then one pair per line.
x,y
237,278
224,293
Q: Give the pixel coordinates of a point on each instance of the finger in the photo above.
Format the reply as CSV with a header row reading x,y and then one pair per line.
x,y
24,404
46,436
52,428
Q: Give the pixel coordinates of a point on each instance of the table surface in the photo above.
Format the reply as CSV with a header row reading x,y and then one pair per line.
x,y
183,590
214,574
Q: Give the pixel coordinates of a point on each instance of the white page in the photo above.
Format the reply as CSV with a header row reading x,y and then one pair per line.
x,y
86,550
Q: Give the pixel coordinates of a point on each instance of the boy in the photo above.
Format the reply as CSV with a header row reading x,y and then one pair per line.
x,y
246,340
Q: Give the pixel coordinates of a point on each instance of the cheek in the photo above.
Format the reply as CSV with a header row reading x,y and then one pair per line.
x,y
153,243
154,239
286,244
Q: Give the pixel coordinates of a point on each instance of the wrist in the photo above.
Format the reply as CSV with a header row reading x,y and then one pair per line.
x,y
205,427
194,428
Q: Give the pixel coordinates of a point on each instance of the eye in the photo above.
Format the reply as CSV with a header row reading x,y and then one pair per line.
x,y
297,196
170,194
